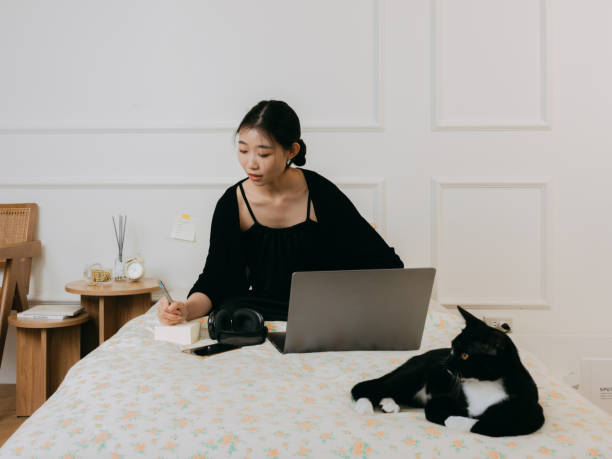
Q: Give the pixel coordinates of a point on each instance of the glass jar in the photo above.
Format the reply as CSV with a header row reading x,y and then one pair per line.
x,y
97,274
119,269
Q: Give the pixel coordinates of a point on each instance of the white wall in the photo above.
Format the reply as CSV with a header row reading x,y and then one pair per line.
x,y
474,132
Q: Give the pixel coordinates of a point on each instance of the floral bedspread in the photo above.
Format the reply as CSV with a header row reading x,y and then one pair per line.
x,y
136,397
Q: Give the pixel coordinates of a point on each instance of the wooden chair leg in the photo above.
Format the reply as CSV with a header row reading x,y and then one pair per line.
x,y
20,269
7,295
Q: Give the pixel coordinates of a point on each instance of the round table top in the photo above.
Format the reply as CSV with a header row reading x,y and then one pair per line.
x,y
47,323
116,288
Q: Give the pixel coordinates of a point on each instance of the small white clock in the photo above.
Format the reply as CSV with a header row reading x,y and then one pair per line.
x,y
134,268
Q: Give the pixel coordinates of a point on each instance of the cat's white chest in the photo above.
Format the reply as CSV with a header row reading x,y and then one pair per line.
x,y
482,394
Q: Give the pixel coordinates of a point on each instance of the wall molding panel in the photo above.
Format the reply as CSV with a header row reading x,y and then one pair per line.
x,y
491,243
539,120
375,185
51,127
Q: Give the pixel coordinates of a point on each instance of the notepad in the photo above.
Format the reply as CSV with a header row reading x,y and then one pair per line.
x,y
51,311
184,228
186,333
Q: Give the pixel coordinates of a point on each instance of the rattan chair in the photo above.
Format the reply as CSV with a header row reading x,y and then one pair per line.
x,y
17,247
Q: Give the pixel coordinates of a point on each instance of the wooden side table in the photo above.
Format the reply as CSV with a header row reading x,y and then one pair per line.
x,y
111,306
46,349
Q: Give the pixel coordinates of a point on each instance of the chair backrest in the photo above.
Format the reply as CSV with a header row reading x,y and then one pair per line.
x,y
17,224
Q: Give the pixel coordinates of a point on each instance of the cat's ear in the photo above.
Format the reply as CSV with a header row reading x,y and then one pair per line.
x,y
470,320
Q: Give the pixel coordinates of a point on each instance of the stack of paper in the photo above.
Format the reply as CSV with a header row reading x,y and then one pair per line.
x,y
51,311
185,333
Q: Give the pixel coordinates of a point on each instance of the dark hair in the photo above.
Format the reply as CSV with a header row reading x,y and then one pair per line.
x,y
279,121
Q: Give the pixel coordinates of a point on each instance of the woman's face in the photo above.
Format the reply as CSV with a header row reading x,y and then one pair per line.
x,y
262,158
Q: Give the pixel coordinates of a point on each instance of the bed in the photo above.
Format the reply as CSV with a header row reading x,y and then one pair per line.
x,y
136,397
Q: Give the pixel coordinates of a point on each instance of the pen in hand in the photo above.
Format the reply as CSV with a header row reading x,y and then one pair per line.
x,y
169,298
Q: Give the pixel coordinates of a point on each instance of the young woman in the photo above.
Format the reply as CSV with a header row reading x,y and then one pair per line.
x,y
278,220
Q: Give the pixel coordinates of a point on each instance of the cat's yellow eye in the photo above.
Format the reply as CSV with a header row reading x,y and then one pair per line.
x,y
465,356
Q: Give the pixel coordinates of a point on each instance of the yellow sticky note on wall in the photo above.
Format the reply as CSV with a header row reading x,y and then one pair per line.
x,y
184,228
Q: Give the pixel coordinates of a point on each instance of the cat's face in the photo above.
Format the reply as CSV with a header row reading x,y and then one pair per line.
x,y
480,351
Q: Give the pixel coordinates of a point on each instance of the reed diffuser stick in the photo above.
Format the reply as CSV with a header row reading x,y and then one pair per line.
x,y
116,234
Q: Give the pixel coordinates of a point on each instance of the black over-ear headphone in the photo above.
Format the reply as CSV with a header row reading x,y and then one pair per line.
x,y
242,327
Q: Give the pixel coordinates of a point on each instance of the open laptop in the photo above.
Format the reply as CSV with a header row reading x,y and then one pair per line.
x,y
356,310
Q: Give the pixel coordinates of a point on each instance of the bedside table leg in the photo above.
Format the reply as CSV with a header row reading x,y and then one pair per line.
x,y
118,310
132,306
90,336
44,356
108,314
108,317
64,350
31,370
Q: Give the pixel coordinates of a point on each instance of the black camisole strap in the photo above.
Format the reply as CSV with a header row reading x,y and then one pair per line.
x,y
247,203
308,211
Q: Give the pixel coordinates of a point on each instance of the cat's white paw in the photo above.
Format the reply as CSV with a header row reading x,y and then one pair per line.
x,y
364,406
388,405
460,423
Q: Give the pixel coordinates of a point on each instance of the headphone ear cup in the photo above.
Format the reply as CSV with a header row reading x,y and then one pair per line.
x,y
218,321
224,320
248,328
246,321
212,332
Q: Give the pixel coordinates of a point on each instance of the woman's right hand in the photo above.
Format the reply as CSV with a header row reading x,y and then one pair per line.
x,y
171,314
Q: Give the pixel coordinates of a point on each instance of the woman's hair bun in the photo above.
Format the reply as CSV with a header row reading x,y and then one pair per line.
x,y
300,158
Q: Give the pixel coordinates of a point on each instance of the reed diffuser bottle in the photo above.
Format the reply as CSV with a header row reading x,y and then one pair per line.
x,y
119,225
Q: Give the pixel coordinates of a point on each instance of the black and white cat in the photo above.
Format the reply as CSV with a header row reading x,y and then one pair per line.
x,y
478,385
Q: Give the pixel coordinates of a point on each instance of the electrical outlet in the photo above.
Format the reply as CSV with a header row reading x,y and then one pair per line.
x,y
499,322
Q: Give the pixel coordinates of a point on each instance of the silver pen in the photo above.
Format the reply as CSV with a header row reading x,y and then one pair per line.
x,y
169,298
165,292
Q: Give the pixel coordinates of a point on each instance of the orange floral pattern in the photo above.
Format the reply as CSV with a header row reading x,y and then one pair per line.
x,y
136,397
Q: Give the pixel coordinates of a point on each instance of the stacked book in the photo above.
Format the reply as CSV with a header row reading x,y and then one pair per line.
x,y
185,333
51,311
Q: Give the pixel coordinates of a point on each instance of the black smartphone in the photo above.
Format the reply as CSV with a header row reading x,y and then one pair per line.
x,y
212,349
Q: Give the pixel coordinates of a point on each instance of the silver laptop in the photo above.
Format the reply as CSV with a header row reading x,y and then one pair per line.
x,y
356,310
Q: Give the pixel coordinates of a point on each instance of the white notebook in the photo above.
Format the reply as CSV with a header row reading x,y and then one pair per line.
x,y
50,311
186,333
